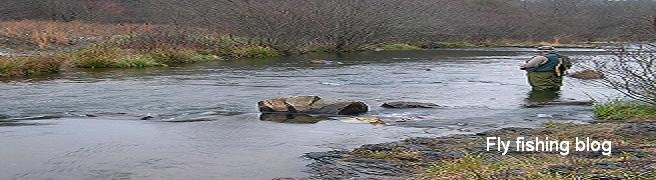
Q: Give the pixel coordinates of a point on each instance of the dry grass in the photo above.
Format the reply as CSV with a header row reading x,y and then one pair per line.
x,y
97,45
27,66
34,34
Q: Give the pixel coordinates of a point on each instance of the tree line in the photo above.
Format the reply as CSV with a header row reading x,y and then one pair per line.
x,y
344,25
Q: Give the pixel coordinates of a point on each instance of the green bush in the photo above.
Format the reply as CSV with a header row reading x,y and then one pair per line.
x,y
624,110
255,52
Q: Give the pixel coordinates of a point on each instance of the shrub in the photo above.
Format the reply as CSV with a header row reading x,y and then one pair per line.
x,y
631,72
255,52
26,66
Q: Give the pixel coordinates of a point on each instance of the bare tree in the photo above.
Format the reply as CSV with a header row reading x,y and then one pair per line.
x,y
343,25
632,72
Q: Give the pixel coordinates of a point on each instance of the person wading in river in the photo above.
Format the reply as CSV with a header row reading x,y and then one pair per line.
x,y
546,71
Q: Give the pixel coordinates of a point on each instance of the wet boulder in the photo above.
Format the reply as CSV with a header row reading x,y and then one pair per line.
x,y
312,105
404,105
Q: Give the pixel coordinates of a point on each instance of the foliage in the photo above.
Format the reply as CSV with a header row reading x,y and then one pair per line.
x,y
624,110
255,52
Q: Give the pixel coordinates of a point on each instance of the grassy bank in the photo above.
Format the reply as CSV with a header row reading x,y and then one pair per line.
x,y
69,45
30,66
108,56
625,111
465,156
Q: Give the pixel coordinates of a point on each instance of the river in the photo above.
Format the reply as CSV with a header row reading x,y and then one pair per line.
x,y
87,124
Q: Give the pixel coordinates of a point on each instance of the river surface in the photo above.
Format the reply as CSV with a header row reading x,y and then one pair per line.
x,y
205,125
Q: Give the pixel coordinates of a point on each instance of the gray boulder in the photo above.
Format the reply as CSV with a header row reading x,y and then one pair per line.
x,y
312,105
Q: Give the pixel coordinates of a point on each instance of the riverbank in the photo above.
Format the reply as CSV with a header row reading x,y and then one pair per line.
x,y
44,48
465,156
135,52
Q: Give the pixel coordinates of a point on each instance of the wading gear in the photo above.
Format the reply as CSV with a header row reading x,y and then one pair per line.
x,y
545,81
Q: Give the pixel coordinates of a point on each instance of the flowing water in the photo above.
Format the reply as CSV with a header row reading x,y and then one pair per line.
x,y
205,125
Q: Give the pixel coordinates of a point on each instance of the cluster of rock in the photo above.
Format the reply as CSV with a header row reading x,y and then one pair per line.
x,y
312,105
312,109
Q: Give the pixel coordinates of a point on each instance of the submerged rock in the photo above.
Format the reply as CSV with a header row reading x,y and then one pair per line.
x,y
43,117
586,74
403,105
558,103
370,120
326,62
147,117
312,105
291,118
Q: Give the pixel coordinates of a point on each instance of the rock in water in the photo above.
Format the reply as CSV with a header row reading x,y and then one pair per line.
x,y
291,118
586,74
403,105
312,105
370,120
